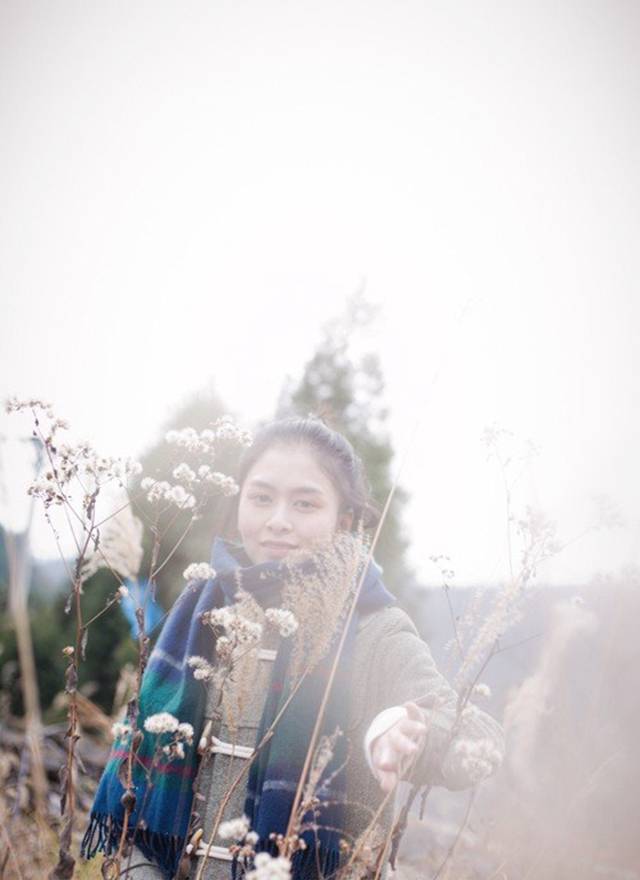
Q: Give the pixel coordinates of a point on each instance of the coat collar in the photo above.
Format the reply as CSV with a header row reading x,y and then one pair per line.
x,y
227,558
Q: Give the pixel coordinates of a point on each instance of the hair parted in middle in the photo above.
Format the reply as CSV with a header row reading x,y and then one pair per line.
x,y
334,454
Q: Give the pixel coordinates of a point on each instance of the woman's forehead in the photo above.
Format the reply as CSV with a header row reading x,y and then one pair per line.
x,y
291,467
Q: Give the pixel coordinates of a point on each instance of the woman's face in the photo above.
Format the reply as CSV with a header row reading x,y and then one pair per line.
x,y
287,503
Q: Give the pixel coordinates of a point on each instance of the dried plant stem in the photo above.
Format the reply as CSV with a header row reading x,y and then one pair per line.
x,y
174,548
155,552
56,536
363,837
67,506
127,811
454,624
94,527
507,495
382,856
396,831
110,604
123,836
66,862
123,507
496,874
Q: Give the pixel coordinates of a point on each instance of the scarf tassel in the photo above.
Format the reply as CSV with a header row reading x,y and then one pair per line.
x,y
103,835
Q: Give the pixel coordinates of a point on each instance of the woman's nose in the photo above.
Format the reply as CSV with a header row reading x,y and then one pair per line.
x,y
279,519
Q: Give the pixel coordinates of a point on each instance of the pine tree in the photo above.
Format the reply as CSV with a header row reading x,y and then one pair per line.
x,y
346,390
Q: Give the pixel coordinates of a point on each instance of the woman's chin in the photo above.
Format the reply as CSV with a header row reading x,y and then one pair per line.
x,y
280,554
275,556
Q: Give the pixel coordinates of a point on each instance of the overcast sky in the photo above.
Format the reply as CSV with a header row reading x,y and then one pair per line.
x,y
190,190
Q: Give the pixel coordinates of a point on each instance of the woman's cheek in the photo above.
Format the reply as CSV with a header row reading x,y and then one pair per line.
x,y
321,530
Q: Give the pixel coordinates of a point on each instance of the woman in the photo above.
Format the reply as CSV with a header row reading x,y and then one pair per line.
x,y
303,502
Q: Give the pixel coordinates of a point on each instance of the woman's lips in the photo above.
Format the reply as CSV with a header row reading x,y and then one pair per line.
x,y
278,550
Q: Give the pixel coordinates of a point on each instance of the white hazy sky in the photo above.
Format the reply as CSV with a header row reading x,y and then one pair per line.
x,y
191,189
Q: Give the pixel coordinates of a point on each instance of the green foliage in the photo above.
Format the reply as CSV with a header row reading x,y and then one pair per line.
x,y
109,645
47,645
347,392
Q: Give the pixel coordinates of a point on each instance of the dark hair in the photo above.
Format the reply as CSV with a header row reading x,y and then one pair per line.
x,y
334,453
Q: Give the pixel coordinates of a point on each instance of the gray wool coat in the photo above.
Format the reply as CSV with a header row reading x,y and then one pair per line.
x,y
391,665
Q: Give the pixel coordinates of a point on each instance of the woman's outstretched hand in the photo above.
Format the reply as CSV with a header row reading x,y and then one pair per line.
x,y
393,751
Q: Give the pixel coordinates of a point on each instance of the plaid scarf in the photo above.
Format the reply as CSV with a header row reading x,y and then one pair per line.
x,y
159,821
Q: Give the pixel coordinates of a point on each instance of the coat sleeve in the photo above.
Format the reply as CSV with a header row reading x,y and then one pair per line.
x,y
403,670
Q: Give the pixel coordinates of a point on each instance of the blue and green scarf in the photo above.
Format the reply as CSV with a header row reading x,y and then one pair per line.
x,y
159,823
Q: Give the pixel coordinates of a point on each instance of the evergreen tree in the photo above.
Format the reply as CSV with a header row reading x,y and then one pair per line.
x,y
346,391
109,646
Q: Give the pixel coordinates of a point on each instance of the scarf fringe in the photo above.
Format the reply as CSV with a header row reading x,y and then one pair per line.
x,y
103,835
163,850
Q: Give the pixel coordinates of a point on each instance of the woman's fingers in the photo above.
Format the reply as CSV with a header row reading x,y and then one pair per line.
x,y
414,712
387,780
413,729
394,746
401,742
384,756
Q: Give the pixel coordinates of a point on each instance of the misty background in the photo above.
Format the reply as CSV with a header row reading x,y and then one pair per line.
x,y
189,194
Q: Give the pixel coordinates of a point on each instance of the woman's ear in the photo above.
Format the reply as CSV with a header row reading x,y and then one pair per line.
x,y
345,520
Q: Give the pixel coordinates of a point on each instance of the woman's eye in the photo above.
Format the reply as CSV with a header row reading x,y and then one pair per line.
x,y
305,505
261,498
